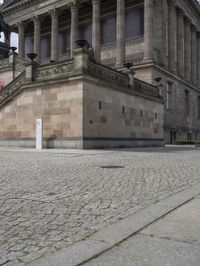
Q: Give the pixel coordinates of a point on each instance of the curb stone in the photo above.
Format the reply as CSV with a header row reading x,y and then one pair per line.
x,y
82,251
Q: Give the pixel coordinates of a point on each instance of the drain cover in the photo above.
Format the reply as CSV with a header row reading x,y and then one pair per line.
x,y
112,167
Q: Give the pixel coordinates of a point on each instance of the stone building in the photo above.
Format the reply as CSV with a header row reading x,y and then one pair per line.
x,y
161,38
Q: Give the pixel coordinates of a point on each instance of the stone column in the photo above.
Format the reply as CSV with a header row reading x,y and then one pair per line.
x,y
172,28
160,36
37,36
148,30
121,44
54,35
188,50
180,43
21,33
194,55
74,27
198,60
96,30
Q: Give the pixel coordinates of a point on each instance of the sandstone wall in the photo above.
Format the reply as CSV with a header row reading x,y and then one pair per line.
x,y
175,119
111,113
59,105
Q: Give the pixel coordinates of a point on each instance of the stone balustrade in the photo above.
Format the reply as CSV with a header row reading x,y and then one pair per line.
x,y
83,63
12,89
52,71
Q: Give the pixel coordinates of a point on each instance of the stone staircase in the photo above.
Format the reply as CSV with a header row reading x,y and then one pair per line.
x,y
12,89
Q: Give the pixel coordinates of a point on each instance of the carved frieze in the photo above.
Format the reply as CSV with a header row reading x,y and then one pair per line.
x,y
108,74
53,71
135,47
4,63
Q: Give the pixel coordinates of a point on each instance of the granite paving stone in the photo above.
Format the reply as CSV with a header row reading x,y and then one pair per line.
x,y
50,200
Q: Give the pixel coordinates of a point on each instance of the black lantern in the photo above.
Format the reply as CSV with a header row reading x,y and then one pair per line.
x,y
128,65
158,79
82,43
32,56
13,48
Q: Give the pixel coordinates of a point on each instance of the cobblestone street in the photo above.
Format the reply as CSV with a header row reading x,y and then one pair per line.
x,y
51,199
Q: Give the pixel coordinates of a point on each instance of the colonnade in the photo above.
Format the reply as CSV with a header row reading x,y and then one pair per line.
x,y
96,31
183,44
183,58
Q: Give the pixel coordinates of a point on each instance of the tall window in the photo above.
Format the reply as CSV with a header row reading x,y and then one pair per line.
x,y
63,42
169,96
187,102
46,47
198,103
135,23
86,32
28,45
108,30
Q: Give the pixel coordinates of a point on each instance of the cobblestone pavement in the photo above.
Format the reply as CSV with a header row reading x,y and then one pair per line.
x,y
49,200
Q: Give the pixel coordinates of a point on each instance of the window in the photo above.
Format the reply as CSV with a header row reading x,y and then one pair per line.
x,y
86,32
108,30
123,110
135,23
156,115
187,102
28,45
172,136
46,47
63,42
169,96
100,105
189,136
198,108
141,113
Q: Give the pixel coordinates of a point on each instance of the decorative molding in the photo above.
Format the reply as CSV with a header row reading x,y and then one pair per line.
x,y
53,71
12,89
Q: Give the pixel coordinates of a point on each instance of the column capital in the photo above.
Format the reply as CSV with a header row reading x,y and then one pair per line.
x,y
21,23
180,12
194,28
36,19
187,21
74,6
172,3
96,2
53,13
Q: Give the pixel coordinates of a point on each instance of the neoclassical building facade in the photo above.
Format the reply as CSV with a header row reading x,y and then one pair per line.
x,y
160,38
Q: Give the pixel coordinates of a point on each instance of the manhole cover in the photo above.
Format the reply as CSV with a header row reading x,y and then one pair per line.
x,y
112,167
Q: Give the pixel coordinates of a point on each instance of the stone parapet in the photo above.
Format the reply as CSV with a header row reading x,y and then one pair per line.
x,y
12,89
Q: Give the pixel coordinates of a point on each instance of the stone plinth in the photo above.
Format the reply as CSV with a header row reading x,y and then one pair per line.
x,y
4,50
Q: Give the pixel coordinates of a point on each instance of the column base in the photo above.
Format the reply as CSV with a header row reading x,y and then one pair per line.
x,y
119,66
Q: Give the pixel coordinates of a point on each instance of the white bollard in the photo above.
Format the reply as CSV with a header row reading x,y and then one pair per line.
x,y
39,134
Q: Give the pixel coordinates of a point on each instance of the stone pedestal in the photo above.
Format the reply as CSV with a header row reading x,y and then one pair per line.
x,y
4,50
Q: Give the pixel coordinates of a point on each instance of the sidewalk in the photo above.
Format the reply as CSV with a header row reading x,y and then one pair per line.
x,y
174,240
166,233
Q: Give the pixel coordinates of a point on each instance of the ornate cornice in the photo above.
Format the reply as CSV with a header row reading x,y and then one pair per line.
x,y
18,5
25,3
